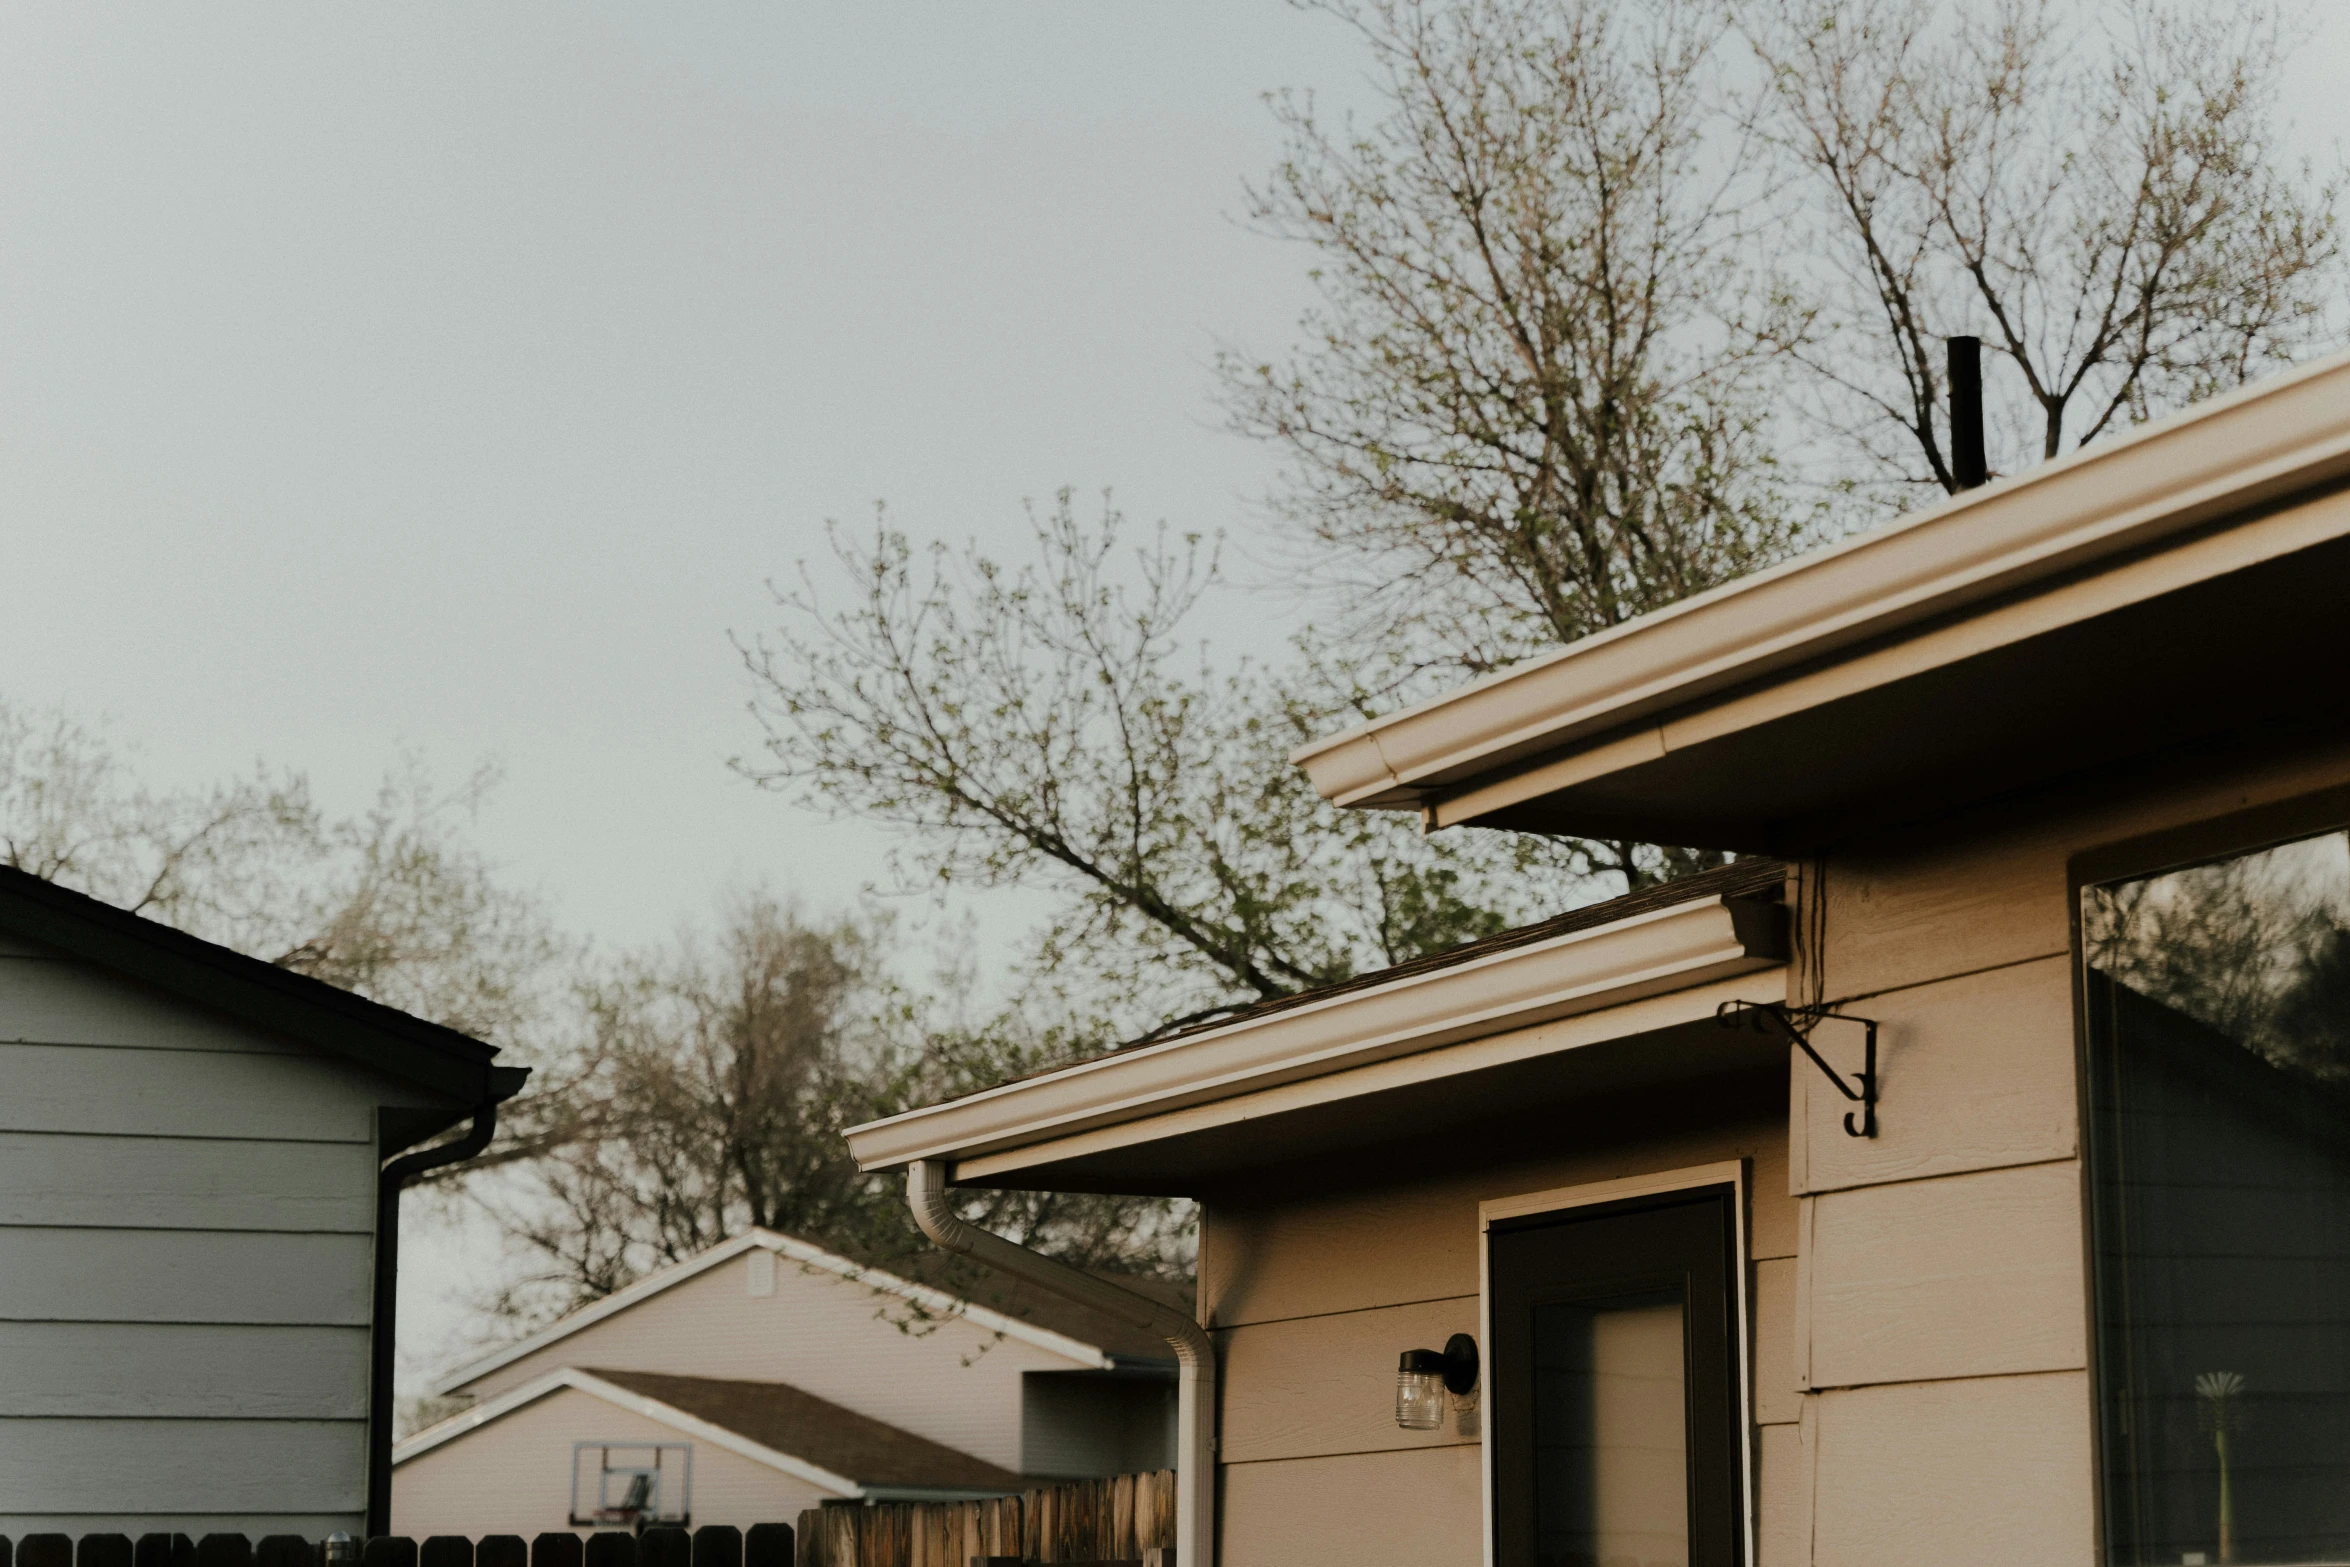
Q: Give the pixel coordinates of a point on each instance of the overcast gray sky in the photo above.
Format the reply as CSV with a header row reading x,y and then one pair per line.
x,y
452,376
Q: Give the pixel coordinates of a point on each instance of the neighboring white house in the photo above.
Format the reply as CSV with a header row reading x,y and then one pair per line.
x,y
616,1449
191,1145
758,1355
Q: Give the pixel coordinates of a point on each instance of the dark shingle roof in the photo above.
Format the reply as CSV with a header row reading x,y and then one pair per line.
x,y
783,1418
979,1285
1001,1292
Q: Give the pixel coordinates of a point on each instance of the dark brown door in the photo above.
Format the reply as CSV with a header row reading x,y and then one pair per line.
x,y
1616,1420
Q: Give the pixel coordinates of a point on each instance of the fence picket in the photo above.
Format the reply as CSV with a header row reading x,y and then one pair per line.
x,y
103,1550
1118,1519
768,1545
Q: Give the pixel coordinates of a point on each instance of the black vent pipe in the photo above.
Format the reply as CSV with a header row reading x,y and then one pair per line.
x,y
1967,467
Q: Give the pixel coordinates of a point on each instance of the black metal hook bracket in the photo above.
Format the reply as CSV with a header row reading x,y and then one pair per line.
x,y
1731,1013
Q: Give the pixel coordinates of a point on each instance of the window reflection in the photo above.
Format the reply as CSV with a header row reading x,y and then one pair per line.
x,y
2218,1002
1611,1465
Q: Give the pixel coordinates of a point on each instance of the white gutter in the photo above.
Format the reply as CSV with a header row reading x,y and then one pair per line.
x,y
1677,948
1195,1352
2139,491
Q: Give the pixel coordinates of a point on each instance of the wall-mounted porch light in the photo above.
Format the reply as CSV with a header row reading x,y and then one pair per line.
x,y
1425,1375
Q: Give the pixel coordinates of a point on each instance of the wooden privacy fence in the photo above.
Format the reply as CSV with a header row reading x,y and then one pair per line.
x,y
1128,1518
714,1545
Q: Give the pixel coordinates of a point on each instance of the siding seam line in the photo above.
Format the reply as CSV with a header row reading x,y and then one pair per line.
x,y
1344,1311
1946,1175
1352,1452
1944,979
1970,1376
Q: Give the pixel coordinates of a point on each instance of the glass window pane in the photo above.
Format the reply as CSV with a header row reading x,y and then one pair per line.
x,y
1611,1486
2218,1003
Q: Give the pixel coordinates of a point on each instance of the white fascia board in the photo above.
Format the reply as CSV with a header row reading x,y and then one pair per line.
x,y
1554,1038
816,1258
2287,434
1676,948
635,1403
2138,580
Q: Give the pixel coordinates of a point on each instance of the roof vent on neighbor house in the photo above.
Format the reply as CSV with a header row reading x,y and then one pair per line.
x,y
1967,468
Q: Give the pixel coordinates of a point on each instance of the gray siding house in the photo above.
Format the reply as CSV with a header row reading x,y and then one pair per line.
x,y
198,1227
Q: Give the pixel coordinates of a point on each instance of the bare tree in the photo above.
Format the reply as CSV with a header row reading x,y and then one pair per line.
x,y
394,903
710,1095
1049,727
2099,192
1534,399
2256,947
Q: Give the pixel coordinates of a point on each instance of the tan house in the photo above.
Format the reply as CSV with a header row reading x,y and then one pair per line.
x,y
1962,1176
768,1375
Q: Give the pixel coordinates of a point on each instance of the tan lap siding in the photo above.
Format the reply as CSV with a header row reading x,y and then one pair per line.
x,y
1782,1495
1978,1074
1316,1386
1965,1276
1363,1507
1954,1474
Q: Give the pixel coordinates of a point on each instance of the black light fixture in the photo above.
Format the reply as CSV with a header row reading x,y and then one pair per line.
x,y
1424,1376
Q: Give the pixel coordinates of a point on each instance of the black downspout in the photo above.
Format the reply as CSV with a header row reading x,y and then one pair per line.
x,y
1968,470
387,1302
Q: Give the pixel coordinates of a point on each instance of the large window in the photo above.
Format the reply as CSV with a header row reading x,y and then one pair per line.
x,y
2218,1002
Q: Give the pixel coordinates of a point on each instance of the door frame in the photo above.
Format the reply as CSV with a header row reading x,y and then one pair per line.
x,y
1729,1172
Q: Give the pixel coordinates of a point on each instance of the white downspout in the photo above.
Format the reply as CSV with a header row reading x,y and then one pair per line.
x,y
1195,1352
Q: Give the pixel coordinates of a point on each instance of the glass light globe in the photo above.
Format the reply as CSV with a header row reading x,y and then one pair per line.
x,y
1419,1391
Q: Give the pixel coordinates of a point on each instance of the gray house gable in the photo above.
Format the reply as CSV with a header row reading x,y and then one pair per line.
x,y
191,1153
430,1056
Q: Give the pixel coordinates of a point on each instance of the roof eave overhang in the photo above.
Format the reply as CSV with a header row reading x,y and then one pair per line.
x,y
341,1022
1127,1097
1603,703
